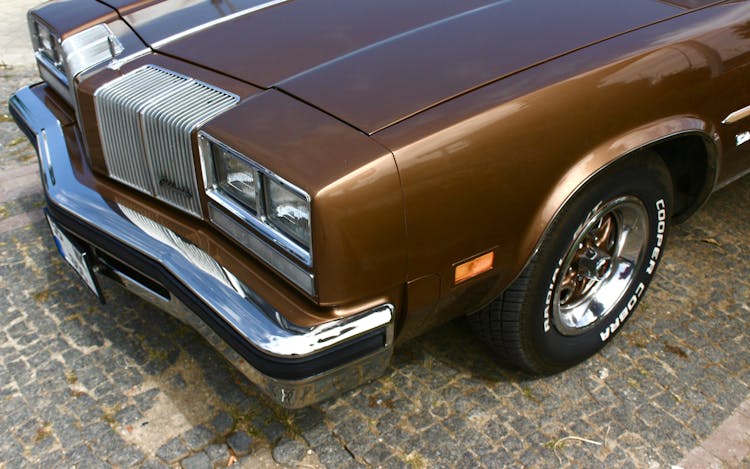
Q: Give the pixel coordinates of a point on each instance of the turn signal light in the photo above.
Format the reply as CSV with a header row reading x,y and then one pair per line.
x,y
474,267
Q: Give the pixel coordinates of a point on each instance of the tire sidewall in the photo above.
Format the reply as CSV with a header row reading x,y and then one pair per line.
x,y
652,186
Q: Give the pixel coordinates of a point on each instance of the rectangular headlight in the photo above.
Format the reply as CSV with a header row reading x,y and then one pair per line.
x,y
48,45
276,209
48,48
288,210
236,177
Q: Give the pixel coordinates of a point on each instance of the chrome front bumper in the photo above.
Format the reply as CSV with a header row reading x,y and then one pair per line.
x,y
294,366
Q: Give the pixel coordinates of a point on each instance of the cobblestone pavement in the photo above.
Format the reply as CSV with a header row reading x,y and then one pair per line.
x,y
125,385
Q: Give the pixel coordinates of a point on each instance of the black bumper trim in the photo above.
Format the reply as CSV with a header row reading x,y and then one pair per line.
x,y
275,367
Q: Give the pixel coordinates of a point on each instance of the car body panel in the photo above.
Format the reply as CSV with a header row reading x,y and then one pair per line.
x,y
359,237
344,171
443,154
453,168
367,65
68,21
425,133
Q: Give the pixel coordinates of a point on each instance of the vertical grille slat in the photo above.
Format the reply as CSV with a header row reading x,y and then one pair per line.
x,y
146,118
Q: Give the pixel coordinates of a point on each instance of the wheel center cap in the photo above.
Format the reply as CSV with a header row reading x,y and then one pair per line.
x,y
594,263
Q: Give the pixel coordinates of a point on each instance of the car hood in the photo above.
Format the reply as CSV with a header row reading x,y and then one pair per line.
x,y
372,64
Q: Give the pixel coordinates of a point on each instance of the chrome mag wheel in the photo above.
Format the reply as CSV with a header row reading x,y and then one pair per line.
x,y
600,265
589,273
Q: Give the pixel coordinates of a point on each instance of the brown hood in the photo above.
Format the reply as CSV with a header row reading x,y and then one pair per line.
x,y
372,64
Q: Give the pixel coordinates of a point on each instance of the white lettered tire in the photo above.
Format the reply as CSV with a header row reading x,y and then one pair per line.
x,y
590,272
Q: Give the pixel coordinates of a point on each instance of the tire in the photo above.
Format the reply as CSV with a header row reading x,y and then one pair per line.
x,y
591,270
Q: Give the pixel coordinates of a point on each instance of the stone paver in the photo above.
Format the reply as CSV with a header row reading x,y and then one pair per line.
x,y
289,452
198,461
240,442
218,454
123,384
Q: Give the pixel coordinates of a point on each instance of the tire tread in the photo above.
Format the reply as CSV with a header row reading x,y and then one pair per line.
x,y
502,323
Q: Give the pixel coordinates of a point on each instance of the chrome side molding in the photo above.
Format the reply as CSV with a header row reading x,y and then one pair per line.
x,y
737,115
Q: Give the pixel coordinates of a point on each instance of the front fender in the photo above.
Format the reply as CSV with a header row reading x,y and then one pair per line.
x,y
489,170
616,148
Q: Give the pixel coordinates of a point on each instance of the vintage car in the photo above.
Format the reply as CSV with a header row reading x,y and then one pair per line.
x,y
308,183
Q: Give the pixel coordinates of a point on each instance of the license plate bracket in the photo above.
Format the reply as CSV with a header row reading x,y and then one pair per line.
x,y
77,258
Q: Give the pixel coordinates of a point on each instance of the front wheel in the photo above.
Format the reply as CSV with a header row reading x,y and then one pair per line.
x,y
590,272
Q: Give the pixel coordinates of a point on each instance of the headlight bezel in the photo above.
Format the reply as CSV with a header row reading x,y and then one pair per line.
x,y
257,220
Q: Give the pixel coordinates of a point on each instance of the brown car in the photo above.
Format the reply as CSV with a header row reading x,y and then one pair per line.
x,y
308,183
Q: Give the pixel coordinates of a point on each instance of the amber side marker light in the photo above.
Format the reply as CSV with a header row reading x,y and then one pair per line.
x,y
474,267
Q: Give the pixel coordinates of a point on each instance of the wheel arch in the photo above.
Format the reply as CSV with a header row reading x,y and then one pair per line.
x,y
684,143
691,158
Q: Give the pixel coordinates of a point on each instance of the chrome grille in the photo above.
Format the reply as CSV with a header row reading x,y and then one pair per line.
x,y
146,118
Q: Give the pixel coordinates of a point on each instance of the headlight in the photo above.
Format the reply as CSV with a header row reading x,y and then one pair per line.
x,y
289,211
237,178
47,45
274,207
61,61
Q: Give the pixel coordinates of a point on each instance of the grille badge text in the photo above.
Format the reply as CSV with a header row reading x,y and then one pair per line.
x,y
174,187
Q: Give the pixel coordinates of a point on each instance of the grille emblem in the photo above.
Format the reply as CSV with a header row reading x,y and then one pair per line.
x,y
172,186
